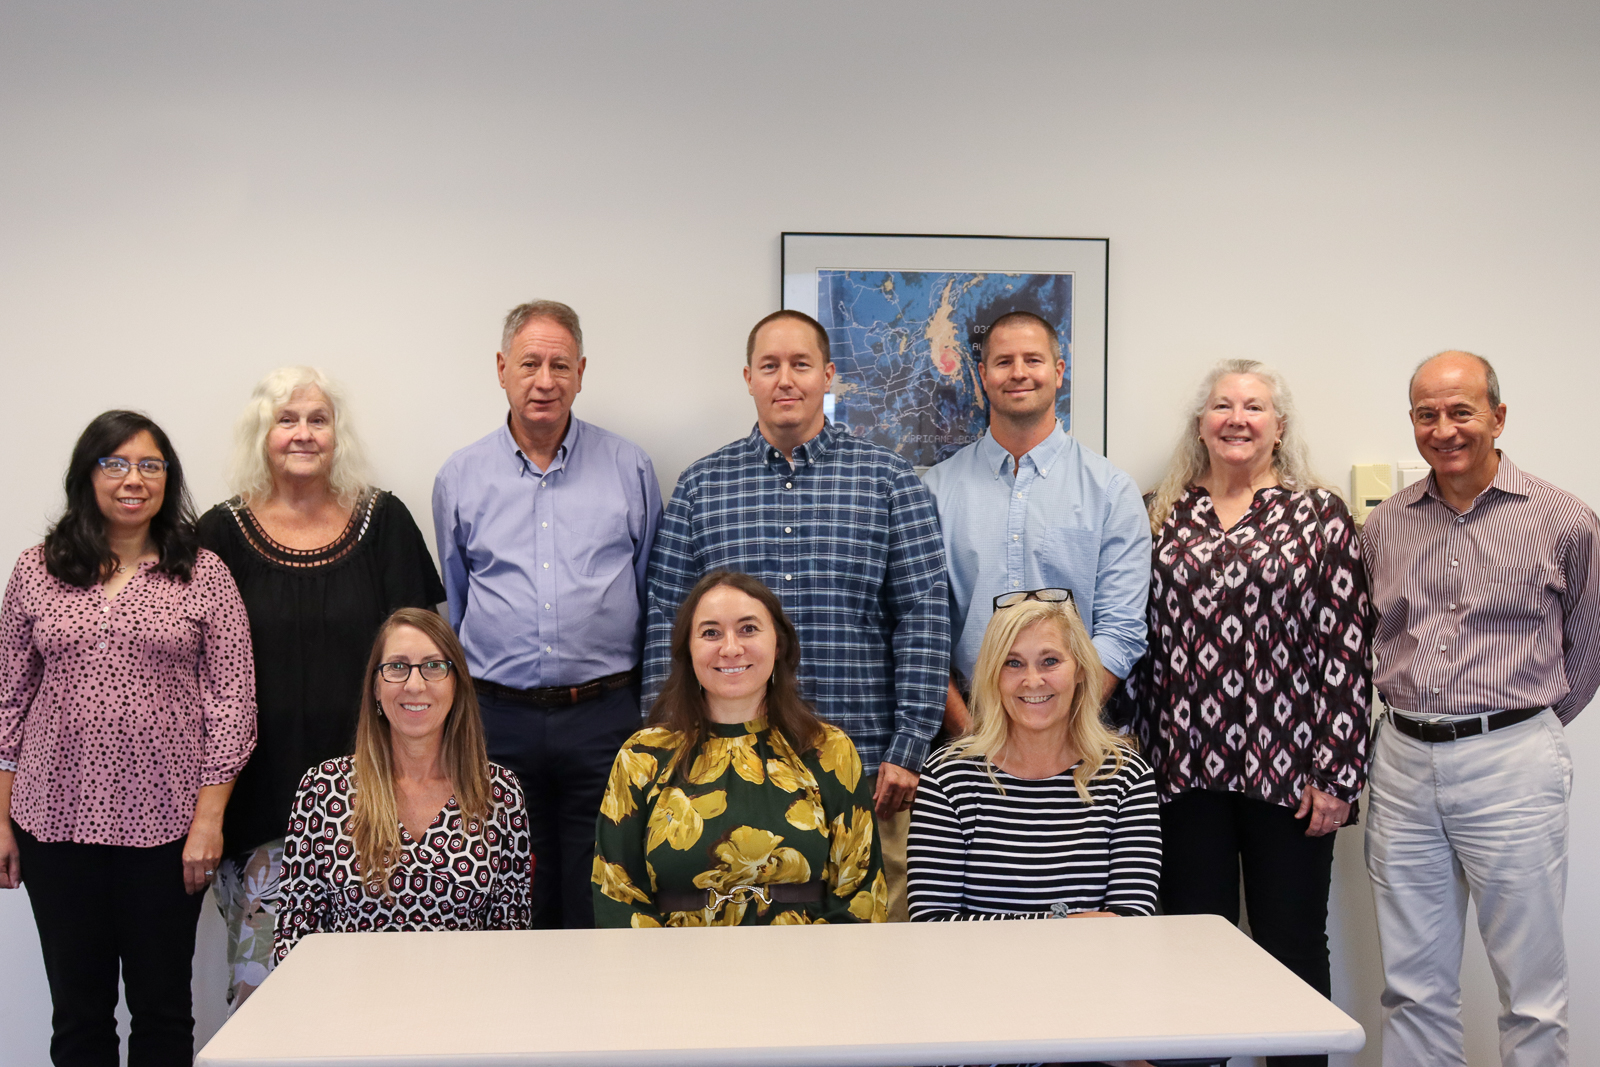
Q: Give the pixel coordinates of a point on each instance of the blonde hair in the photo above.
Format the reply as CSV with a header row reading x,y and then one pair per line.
x,y
374,815
249,475
1291,462
1090,738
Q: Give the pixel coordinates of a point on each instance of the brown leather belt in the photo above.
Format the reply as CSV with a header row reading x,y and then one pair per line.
x,y
1439,732
772,893
559,696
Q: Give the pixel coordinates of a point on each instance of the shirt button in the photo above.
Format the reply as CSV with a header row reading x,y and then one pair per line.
x,y
786,577
547,566
1015,536
1461,518
547,648
547,607
541,481
1016,582
1452,607
788,485
102,646
788,529
1435,689
1455,563
546,525
1441,648
105,609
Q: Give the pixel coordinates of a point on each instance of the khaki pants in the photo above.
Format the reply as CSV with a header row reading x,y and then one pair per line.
x,y
892,833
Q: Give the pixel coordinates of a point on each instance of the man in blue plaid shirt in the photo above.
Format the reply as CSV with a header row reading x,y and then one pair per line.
x,y
846,534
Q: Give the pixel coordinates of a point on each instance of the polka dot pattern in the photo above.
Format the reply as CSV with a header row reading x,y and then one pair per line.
x,y
458,877
115,712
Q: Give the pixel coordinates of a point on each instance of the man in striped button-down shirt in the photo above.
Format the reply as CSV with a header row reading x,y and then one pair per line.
x,y
845,533
1485,583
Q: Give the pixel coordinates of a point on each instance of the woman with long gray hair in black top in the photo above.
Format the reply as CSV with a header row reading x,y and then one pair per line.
x,y
321,559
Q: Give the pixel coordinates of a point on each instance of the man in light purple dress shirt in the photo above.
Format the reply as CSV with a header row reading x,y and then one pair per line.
x,y
1486,583
544,530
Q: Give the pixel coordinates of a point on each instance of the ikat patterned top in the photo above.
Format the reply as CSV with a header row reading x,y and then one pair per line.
x,y
460,876
747,810
115,711
1257,680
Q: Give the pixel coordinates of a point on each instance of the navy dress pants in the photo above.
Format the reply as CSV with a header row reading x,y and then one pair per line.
x,y
562,757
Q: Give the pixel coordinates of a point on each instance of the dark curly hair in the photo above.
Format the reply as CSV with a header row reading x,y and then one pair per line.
x,y
681,706
75,549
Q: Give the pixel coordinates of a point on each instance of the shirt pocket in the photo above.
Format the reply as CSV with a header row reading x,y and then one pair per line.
x,y
1515,599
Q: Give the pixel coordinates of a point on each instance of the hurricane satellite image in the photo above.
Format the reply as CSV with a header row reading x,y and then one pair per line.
x,y
906,347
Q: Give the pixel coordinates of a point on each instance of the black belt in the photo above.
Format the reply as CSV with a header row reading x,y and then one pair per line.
x,y
559,696
1437,732
774,893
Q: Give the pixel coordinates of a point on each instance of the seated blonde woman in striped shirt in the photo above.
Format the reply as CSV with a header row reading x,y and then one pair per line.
x,y
1039,810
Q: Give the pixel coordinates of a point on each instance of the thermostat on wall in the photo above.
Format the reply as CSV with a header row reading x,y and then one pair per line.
x,y
1370,485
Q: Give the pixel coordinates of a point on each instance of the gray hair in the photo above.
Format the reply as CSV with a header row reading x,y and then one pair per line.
x,y
1291,463
554,310
1490,377
249,474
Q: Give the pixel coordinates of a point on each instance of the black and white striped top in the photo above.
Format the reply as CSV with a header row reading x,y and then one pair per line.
x,y
978,853
1496,607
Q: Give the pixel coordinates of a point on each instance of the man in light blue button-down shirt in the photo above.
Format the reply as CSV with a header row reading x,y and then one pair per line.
x,y
1028,507
544,530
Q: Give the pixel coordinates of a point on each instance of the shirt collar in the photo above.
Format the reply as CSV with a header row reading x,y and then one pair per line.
x,y
1508,479
568,443
1044,454
810,453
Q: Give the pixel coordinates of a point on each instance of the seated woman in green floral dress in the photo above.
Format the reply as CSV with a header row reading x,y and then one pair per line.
x,y
736,805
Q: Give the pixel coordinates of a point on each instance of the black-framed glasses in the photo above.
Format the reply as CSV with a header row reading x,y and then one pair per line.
x,y
1049,596
117,467
433,670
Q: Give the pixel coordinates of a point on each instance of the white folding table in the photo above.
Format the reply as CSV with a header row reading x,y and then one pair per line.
x,y
782,996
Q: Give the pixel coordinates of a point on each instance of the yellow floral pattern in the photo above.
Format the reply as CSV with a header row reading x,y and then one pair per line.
x,y
742,809
719,752
677,818
839,756
853,848
631,767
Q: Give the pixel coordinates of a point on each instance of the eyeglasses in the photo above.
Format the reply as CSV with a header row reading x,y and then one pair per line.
x,y
1049,596
117,467
433,670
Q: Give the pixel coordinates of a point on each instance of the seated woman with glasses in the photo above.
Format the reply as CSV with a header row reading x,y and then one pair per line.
x,y
1038,810
736,805
417,830
127,707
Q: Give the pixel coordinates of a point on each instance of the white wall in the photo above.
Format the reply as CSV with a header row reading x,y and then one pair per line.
x,y
191,194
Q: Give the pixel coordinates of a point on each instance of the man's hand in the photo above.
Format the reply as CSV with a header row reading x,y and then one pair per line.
x,y
1327,813
897,787
957,719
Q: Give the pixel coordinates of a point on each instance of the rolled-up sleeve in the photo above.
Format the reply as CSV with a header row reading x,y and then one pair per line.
x,y
227,676
21,667
1122,580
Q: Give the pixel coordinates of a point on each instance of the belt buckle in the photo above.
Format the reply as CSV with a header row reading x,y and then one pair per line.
x,y
719,899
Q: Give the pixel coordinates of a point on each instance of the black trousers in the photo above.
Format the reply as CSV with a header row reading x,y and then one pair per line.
x,y
562,757
98,906
1207,838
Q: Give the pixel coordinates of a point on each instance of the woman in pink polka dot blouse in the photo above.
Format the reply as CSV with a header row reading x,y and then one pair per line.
x,y
127,708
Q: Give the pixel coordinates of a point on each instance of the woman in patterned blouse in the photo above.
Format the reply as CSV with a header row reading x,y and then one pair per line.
x,y
127,707
417,830
1252,702
736,805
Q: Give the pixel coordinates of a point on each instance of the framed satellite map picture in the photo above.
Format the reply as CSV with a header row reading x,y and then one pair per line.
x,y
906,315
